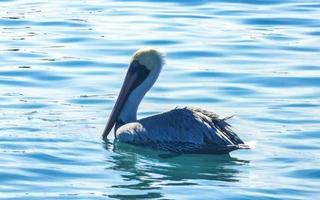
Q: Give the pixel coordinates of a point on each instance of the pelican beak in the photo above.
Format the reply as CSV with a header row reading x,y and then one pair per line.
x,y
136,74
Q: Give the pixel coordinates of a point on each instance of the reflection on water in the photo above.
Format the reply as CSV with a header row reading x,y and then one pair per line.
x,y
146,170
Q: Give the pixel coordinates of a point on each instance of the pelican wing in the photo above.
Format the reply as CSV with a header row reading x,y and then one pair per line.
x,y
187,130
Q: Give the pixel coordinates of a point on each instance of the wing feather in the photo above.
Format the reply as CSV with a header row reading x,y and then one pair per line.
x,y
187,129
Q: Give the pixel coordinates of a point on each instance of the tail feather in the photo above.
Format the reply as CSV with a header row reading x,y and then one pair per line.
x,y
247,145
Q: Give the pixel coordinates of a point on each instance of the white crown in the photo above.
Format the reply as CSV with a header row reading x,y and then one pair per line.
x,y
149,57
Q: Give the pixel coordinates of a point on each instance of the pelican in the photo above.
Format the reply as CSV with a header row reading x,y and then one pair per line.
x,y
181,130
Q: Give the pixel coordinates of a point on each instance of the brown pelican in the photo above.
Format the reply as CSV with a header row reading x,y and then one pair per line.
x,y
181,130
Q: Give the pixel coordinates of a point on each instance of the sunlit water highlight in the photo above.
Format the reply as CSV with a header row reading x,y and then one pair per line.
x,y
63,62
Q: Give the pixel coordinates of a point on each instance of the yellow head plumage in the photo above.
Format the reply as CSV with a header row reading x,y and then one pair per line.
x,y
148,57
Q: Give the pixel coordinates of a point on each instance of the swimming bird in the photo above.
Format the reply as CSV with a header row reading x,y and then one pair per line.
x,y
181,130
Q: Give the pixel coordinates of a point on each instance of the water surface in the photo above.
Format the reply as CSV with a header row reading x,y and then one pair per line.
x,y
63,62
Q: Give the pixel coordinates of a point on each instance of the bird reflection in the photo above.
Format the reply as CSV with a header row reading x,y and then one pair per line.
x,y
145,171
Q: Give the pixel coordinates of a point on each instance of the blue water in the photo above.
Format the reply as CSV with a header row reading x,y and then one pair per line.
x,y
63,62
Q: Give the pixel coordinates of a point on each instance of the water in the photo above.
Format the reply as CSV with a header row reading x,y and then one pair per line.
x,y
63,62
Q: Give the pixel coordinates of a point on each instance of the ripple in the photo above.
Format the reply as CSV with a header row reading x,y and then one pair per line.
x,y
43,157
27,105
300,105
73,39
282,21
303,135
160,42
216,74
181,16
88,101
75,63
22,129
314,33
282,81
61,24
236,91
305,174
62,65
193,54
34,74
17,83
14,22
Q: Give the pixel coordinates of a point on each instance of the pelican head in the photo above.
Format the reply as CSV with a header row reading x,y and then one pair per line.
x,y
144,69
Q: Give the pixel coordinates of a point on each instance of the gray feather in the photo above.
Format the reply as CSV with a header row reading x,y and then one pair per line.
x,y
182,130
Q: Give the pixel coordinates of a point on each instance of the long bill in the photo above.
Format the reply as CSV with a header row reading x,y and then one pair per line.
x,y
135,75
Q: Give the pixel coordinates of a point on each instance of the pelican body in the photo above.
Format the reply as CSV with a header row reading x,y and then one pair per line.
x,y
181,130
